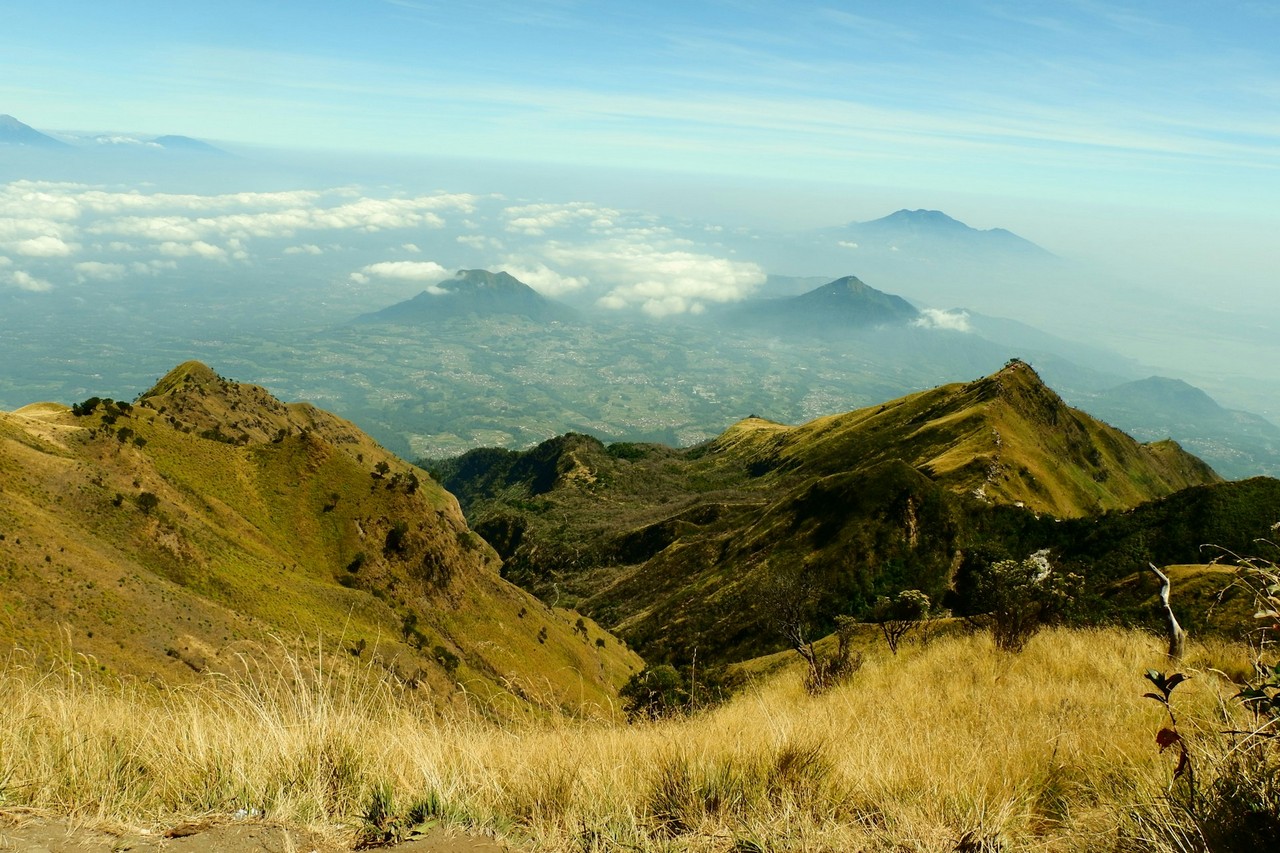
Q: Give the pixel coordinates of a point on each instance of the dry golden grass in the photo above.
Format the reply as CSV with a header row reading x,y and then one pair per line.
x,y
1051,749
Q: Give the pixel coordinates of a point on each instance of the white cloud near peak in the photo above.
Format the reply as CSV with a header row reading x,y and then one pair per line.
x,y
402,271
936,318
658,280
542,278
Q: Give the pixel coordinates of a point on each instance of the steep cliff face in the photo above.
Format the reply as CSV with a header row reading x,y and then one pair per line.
x,y
209,520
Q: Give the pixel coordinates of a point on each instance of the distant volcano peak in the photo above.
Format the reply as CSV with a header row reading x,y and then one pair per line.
x,y
474,293
14,132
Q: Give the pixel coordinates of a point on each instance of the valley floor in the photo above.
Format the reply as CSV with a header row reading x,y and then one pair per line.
x,y
949,745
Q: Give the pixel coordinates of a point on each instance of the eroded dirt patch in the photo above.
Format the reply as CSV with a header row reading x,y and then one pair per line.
x,y
36,834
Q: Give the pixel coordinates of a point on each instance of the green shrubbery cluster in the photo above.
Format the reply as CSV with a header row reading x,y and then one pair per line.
x,y
662,691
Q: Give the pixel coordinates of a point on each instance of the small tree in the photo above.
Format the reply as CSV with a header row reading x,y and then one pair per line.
x,y
791,598
654,692
395,543
409,625
831,671
900,615
146,502
1018,597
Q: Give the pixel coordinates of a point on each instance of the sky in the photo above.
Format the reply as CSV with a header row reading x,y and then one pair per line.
x,y
1141,135
1172,102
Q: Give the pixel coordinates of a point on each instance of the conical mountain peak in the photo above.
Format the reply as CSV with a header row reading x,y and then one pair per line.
x,y
473,293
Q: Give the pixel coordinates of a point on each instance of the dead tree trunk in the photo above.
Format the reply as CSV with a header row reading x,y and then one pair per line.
x,y
1177,636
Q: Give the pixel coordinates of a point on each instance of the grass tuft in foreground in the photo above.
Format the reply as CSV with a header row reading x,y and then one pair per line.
x,y
953,745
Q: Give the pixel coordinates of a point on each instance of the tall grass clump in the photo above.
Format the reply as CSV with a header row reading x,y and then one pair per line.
x,y
951,744
1224,792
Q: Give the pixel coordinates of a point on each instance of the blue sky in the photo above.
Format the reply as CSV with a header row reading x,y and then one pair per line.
x,y
1059,120
1066,97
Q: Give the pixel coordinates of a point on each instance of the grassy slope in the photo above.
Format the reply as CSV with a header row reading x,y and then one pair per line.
x,y
1008,437
257,540
676,549
1051,749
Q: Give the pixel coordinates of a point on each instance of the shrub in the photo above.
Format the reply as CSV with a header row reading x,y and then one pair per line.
x,y
395,543
898,616
1018,597
654,692
663,691
446,659
825,673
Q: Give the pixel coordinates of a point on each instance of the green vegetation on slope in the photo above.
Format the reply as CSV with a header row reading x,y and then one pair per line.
x,y
681,550
209,519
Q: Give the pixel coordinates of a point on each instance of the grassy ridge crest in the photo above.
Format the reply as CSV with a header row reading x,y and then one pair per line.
x,y
209,520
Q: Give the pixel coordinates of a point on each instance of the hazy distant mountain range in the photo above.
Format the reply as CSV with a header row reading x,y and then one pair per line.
x,y
14,132
925,231
482,358
872,334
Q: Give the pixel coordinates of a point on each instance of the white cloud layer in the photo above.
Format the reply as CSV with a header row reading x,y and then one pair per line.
x,y
936,318
44,246
44,219
658,280
542,278
628,260
99,271
536,219
402,271
23,280
196,249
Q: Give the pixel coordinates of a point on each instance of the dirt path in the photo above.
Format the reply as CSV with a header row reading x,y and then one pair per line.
x,y
34,834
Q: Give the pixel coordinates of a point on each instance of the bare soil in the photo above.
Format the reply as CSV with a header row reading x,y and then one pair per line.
x,y
39,834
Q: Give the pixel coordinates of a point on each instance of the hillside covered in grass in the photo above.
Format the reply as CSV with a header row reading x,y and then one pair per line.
x,y
208,522
953,745
679,549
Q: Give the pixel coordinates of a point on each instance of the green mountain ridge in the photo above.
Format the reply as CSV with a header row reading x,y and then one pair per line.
x,y
674,549
209,521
